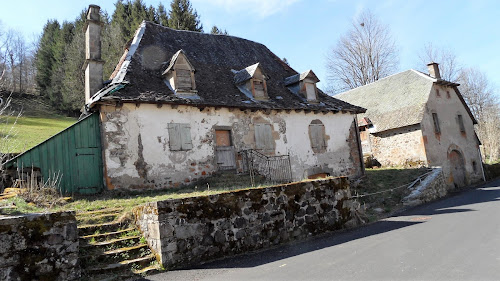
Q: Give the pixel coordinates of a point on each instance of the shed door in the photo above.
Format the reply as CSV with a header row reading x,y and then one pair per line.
x,y
89,178
224,151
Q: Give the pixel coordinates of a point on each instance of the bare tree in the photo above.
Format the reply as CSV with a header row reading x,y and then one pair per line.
x,y
449,67
489,132
366,53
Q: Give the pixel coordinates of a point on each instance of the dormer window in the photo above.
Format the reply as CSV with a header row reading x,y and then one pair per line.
x,y
179,75
252,82
304,84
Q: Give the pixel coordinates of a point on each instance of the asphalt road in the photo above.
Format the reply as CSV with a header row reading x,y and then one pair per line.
x,y
457,238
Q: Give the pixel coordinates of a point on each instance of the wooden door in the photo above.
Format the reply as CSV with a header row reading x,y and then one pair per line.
x,y
224,150
457,167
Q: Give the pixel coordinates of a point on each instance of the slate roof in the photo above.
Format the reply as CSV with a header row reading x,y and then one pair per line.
x,y
138,78
397,100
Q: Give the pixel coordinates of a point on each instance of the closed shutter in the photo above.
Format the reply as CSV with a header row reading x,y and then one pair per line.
x,y
186,143
317,135
263,137
174,137
183,79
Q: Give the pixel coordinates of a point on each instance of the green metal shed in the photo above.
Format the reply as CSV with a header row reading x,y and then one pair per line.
x,y
74,153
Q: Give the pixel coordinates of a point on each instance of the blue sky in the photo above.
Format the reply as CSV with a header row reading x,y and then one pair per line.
x,y
303,31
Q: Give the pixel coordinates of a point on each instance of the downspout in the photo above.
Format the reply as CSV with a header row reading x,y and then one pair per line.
x,y
358,141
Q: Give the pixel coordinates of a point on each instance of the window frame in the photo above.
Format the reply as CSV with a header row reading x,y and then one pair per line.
x,y
317,136
435,120
461,124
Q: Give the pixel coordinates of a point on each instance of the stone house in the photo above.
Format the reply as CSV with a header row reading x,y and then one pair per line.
x,y
183,105
413,119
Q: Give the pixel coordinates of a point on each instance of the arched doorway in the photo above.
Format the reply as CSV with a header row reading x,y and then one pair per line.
x,y
457,168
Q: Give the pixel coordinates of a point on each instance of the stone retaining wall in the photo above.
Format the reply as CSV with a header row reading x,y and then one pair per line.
x,y
187,231
431,188
39,247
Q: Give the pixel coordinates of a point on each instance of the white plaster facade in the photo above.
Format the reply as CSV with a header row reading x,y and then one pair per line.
x,y
136,142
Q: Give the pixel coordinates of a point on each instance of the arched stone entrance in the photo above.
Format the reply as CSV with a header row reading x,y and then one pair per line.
x,y
457,168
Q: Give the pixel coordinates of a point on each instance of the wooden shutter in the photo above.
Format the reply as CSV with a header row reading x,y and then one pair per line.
x,y
183,79
317,135
186,143
437,130
174,137
264,137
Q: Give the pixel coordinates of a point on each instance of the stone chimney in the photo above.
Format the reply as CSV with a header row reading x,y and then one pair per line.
x,y
433,68
93,63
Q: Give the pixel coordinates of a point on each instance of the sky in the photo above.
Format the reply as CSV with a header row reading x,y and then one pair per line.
x,y
303,31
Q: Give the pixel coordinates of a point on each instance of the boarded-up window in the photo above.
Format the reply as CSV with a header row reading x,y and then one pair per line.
x,y
183,79
435,119
264,137
317,136
259,89
311,91
461,123
179,135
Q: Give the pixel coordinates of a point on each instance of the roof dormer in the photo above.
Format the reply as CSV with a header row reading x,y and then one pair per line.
x,y
179,74
306,82
252,79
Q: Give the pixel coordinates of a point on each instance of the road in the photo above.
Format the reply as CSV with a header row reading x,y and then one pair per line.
x,y
457,238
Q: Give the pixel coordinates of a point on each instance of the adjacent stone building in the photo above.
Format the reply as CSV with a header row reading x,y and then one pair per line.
x,y
182,105
413,119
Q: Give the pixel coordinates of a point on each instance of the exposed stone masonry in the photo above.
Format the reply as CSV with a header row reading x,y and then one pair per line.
x,y
187,231
39,247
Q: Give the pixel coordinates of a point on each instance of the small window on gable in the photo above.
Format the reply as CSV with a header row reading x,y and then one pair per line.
x,y
437,93
179,137
317,136
461,123
179,75
474,166
304,85
435,119
311,91
448,94
264,138
259,89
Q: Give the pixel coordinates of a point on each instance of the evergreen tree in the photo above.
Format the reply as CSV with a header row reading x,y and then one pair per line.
x,y
183,17
45,59
216,30
162,15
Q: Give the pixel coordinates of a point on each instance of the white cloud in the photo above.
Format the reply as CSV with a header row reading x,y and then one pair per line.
x,y
262,8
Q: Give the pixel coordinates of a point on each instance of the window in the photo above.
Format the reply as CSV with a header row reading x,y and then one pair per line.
x,y
183,79
264,137
437,130
474,166
259,89
437,93
179,135
461,123
317,136
311,91
448,94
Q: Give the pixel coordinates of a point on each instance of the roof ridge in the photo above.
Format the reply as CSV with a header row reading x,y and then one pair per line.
x,y
375,81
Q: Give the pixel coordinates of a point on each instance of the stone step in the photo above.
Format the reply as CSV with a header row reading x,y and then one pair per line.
x,y
123,265
102,227
98,218
101,211
152,269
113,256
113,243
106,235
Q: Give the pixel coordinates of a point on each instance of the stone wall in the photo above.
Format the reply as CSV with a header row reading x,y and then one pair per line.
x,y
399,147
39,247
187,231
431,188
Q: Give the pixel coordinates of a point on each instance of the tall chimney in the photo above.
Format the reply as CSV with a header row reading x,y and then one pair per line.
x,y
93,63
433,68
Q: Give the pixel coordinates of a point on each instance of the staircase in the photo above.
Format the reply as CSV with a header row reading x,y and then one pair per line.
x,y
111,248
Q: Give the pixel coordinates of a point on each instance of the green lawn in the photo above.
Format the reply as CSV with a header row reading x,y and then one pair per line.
x,y
30,131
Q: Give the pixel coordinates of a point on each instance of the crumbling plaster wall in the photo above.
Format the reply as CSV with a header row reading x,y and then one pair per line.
x,y
137,154
399,147
439,145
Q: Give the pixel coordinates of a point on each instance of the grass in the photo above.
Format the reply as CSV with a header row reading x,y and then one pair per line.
x,y
30,131
383,179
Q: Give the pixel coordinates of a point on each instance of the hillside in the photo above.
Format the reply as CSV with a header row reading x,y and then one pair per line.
x,y
37,122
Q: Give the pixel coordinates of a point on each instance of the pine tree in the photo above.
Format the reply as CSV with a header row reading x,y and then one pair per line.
x,y
162,15
45,60
216,30
183,17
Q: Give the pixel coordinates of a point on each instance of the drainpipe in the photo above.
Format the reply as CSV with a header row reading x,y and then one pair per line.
x,y
358,141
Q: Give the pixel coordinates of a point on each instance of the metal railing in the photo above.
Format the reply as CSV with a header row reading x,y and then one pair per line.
x,y
275,168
